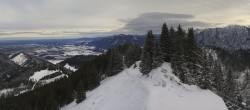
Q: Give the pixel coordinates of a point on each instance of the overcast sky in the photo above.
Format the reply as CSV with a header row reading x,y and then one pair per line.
x,y
91,18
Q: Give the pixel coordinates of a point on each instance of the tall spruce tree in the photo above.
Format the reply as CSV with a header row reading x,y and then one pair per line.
x,y
206,78
132,55
180,57
173,51
94,78
157,55
115,64
246,87
219,82
80,92
165,43
147,54
246,80
194,58
231,85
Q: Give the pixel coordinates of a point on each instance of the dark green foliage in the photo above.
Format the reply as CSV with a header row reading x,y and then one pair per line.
x,y
206,77
48,97
157,56
165,43
246,80
219,81
178,62
132,55
231,85
173,39
78,60
147,53
89,76
180,55
237,60
194,58
115,64
80,92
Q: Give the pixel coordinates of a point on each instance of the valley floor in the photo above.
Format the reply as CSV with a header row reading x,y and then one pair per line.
x,y
161,90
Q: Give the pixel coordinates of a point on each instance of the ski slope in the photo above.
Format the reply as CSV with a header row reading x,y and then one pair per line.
x,y
161,90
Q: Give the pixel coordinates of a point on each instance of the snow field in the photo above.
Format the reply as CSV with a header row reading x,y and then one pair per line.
x,y
40,74
161,90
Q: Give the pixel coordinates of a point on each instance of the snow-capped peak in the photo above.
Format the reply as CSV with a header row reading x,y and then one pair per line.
x,y
161,90
20,59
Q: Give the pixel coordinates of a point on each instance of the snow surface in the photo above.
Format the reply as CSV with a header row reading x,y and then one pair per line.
x,y
5,91
70,67
20,59
161,90
47,81
40,74
71,50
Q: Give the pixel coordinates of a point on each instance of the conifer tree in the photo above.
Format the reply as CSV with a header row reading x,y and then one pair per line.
x,y
194,58
246,80
206,78
231,85
246,86
115,64
219,83
50,103
80,92
132,55
173,51
157,55
165,43
147,54
180,57
94,78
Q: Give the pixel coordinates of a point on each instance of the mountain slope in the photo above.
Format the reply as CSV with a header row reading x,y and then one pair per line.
x,y
24,72
7,66
129,90
116,40
230,38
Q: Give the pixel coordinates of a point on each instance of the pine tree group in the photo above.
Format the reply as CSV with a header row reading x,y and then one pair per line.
x,y
147,53
188,61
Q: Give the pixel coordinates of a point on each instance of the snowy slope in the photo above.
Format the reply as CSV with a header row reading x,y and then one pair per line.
x,y
40,74
72,68
20,59
129,90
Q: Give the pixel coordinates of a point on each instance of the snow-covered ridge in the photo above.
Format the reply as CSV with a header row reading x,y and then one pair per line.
x,y
40,74
20,59
161,90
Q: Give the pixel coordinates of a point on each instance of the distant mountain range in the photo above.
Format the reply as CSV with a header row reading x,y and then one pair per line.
x,y
230,38
23,72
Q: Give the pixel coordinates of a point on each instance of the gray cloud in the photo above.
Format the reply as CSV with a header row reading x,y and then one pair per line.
x,y
154,20
95,17
138,25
